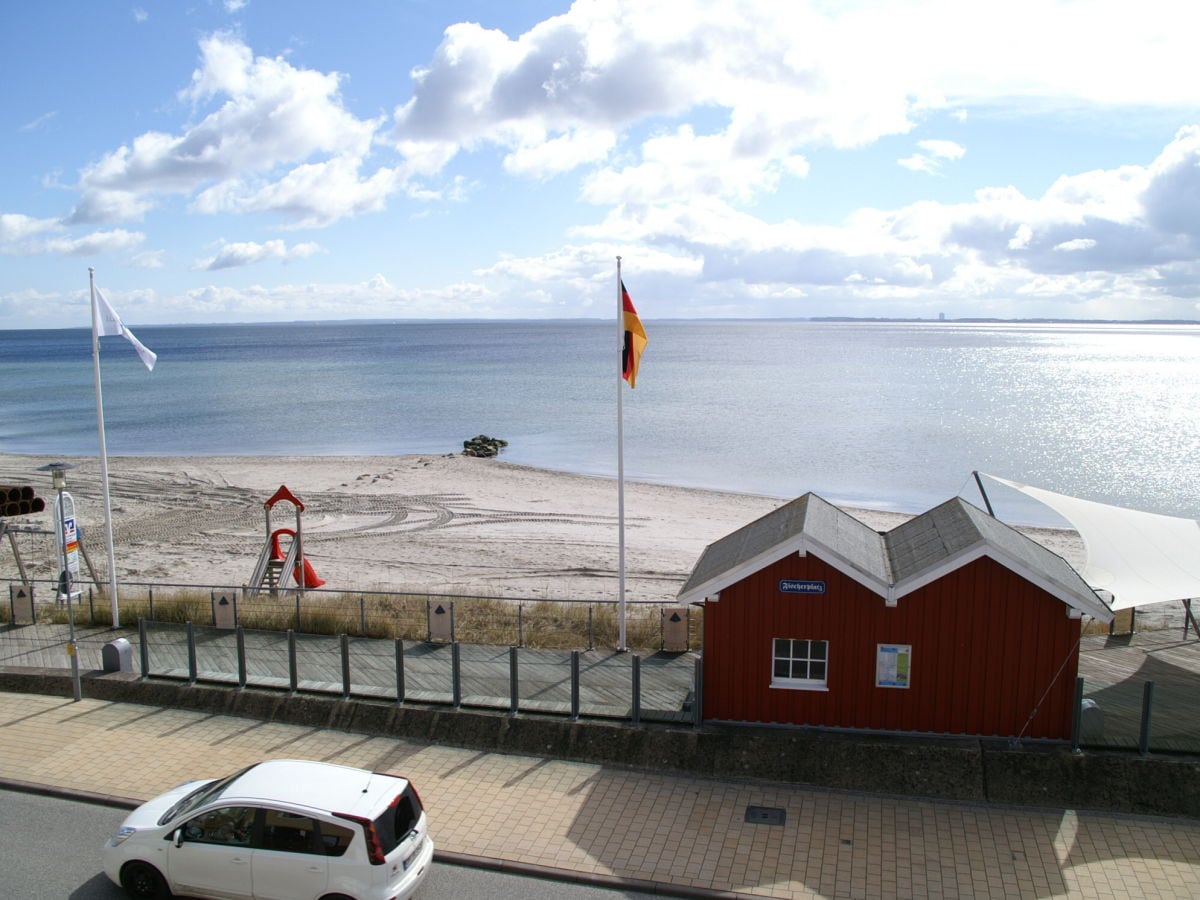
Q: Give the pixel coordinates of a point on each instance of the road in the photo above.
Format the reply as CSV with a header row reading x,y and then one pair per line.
x,y
51,851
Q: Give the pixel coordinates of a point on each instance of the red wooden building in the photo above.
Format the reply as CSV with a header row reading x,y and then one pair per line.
x,y
952,623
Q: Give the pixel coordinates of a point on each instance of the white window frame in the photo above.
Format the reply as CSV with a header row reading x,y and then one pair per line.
x,y
800,684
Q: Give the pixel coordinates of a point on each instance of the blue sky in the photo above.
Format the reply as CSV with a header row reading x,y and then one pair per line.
x,y
274,160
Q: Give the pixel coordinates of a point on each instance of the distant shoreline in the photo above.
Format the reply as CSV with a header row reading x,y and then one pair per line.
x,y
817,320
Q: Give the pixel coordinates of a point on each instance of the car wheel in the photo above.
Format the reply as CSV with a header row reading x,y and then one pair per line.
x,y
336,897
144,882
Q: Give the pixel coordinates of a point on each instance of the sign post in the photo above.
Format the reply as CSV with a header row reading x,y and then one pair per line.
x,y
68,557
67,541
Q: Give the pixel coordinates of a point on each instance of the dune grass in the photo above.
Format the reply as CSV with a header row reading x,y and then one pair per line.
x,y
543,624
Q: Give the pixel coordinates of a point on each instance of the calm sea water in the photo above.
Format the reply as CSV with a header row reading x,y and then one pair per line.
x,y
887,415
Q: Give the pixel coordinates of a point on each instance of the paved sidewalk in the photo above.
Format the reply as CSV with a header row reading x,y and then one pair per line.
x,y
641,829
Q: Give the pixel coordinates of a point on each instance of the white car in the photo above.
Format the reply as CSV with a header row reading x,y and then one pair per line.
x,y
284,829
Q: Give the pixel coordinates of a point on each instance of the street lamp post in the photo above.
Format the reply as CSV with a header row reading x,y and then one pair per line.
x,y
58,477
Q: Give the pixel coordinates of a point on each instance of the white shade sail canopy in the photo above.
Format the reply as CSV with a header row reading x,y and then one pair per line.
x,y
1137,557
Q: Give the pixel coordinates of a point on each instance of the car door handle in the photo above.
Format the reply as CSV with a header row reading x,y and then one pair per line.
x,y
239,860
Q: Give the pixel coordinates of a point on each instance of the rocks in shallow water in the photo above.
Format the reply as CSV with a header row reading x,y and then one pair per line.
x,y
482,445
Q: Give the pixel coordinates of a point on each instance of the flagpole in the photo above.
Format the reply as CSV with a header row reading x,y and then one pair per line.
x,y
620,471
108,536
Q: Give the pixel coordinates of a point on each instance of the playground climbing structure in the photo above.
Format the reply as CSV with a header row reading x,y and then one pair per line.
x,y
279,568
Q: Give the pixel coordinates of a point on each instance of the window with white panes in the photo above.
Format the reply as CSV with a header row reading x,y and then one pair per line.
x,y
799,663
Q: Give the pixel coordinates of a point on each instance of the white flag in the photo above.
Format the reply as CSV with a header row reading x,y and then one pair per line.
x,y
108,322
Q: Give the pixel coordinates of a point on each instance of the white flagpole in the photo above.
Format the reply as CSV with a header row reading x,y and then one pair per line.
x,y
620,469
108,536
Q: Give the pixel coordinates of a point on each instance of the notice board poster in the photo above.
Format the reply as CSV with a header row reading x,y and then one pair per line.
x,y
893,665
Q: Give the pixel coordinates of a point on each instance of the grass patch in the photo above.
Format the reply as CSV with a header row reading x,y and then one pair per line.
x,y
542,624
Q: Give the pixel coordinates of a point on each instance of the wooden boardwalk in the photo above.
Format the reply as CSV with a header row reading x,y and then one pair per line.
x,y
1115,671
543,676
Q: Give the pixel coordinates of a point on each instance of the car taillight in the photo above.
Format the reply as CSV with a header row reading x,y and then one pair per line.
x,y
374,847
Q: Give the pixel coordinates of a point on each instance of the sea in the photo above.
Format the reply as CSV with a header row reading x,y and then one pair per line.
x,y
883,415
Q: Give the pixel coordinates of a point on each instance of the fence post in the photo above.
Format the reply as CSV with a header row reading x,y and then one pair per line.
x,y
1077,717
362,615
191,648
151,592
455,665
428,620
698,693
144,646
399,670
574,684
293,669
636,717
241,654
591,638
344,640
453,633
514,693
297,610
520,626
91,605
1147,705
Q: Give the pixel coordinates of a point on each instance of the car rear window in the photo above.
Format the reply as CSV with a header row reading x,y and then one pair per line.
x,y
398,820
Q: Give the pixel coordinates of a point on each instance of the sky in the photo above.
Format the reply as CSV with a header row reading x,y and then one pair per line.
x,y
276,160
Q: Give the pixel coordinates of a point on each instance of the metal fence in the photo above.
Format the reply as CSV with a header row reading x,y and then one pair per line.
x,y
593,683
1138,693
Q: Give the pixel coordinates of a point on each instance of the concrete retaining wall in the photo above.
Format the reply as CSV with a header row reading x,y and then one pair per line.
x,y
973,770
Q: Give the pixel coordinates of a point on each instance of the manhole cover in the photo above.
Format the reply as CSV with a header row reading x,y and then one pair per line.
x,y
765,815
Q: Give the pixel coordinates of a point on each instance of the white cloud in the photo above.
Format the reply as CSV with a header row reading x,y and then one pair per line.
x,y
26,236
778,78
95,243
15,227
689,125
311,195
39,122
931,155
247,253
1075,244
1131,229
272,123
556,155
682,165
149,259
780,74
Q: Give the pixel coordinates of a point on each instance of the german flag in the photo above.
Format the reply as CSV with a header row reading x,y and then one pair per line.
x,y
635,339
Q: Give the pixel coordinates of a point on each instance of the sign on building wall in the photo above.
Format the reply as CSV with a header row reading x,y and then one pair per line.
x,y
788,586
893,664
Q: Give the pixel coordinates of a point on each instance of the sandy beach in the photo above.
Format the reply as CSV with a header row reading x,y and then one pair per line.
x,y
438,523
